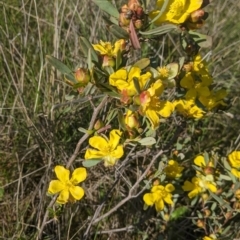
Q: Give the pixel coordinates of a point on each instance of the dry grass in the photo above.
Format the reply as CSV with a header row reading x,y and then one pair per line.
x,y
38,130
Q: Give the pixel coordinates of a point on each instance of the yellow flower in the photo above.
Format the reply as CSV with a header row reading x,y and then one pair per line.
x,y
177,11
159,194
106,48
188,108
211,237
107,149
173,170
197,80
234,159
152,107
214,99
67,187
199,185
123,80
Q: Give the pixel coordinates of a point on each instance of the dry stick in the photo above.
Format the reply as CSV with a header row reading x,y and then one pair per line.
x,y
73,157
131,190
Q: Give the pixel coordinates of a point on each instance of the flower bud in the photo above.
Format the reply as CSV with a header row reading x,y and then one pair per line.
x,y
138,24
207,212
196,15
131,120
139,12
201,223
98,124
124,21
82,75
125,98
208,170
188,67
124,9
108,61
133,4
156,182
237,194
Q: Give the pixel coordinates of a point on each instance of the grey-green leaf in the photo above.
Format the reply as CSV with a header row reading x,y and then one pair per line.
x,y
107,7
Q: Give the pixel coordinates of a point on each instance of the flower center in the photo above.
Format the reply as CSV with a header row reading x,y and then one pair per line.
x,y
164,72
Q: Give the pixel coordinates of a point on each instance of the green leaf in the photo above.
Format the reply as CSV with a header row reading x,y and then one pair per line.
x,y
203,41
119,32
121,120
1,193
107,7
173,70
83,130
61,67
147,141
91,162
160,30
221,201
142,63
69,77
136,84
178,212
86,46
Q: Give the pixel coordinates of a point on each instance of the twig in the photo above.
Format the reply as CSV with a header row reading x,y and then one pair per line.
x,y
131,190
72,158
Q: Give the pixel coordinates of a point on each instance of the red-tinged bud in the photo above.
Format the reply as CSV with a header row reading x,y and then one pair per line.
x,y
124,21
133,4
139,12
207,212
82,75
98,124
196,16
188,67
108,61
208,170
124,9
228,215
156,182
138,24
125,98
237,194
144,97
201,223
204,196
131,120
236,205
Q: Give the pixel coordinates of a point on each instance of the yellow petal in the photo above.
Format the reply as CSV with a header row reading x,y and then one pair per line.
x,y
168,199
166,108
91,153
193,193
169,187
235,172
211,187
77,192
234,159
114,138
153,118
118,152
199,161
63,197
55,186
78,175
187,81
148,199
119,75
188,186
62,173
100,49
98,142
159,205
134,72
